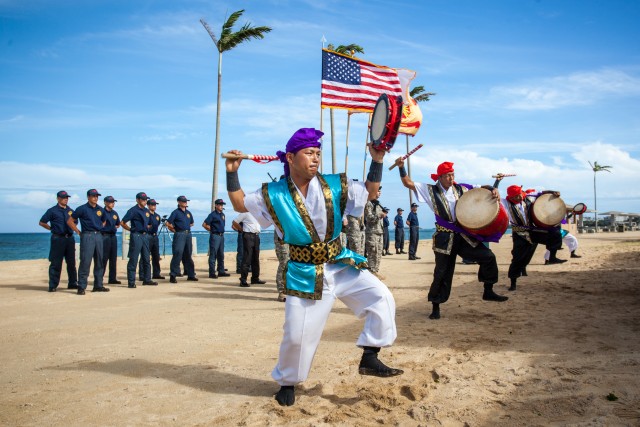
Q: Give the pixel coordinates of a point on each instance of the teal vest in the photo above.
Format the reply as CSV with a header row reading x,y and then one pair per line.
x,y
286,207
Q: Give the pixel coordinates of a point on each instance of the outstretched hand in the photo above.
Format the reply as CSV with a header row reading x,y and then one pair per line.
x,y
399,162
232,165
376,155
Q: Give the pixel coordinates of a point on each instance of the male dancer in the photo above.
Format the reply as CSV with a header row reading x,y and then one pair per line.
x,y
526,235
307,210
449,240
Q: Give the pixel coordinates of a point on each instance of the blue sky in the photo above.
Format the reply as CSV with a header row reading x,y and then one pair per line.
x,y
120,95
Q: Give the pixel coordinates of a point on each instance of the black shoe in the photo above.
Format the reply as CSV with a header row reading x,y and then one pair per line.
x,y
132,286
53,290
258,282
244,284
557,261
152,283
80,291
412,258
72,287
100,289
371,365
512,287
192,279
403,252
286,396
546,262
435,315
223,274
384,254
575,256
172,279
492,296
114,282
179,275
159,277
213,276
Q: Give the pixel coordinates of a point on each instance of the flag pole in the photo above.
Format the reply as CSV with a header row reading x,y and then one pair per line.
x,y
366,143
321,120
333,143
346,157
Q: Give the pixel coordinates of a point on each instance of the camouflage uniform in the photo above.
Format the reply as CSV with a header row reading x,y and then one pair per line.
x,y
282,252
373,233
354,235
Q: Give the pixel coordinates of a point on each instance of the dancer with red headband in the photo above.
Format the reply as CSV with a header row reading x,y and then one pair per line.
x,y
448,242
525,234
306,210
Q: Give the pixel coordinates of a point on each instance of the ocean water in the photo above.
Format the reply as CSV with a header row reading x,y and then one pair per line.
x,y
20,246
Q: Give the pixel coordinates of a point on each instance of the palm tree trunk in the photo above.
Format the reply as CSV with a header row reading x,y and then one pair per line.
x,y
595,201
214,189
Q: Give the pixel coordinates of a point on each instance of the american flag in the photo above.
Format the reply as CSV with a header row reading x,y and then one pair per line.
x,y
353,84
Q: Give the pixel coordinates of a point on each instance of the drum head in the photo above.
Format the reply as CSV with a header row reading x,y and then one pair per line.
x,y
548,210
579,209
476,209
379,120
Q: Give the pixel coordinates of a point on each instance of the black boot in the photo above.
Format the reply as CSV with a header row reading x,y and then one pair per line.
x,y
286,396
555,260
371,365
489,295
397,251
513,285
573,255
435,313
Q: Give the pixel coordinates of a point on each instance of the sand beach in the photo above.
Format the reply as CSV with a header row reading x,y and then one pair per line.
x,y
201,353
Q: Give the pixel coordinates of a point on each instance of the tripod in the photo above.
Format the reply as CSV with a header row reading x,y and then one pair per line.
x,y
164,232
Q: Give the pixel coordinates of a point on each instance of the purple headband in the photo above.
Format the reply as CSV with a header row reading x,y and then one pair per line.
x,y
303,138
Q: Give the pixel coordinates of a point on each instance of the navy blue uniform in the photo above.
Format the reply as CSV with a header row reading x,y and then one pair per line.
x,y
182,245
154,248
91,246
110,243
216,221
414,235
139,219
399,223
63,246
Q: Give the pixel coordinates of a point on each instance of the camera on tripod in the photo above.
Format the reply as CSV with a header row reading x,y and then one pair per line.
x,y
163,219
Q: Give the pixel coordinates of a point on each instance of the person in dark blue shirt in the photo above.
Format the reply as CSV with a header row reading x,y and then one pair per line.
x,y
139,218
110,241
154,243
180,222
63,245
399,236
92,220
414,230
214,223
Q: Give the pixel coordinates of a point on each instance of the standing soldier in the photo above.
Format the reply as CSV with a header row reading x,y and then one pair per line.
x,y
373,246
110,241
140,217
214,224
414,231
154,244
251,249
179,223
282,252
91,216
385,231
399,224
63,245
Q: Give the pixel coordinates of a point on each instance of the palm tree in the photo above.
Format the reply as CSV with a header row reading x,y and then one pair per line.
x,y
350,49
595,167
228,40
418,94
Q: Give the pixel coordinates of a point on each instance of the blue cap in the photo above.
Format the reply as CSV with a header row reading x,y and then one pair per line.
x,y
183,199
93,192
109,199
142,196
63,194
152,202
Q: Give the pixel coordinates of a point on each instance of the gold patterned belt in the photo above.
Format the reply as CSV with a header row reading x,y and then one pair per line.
x,y
519,229
443,230
316,253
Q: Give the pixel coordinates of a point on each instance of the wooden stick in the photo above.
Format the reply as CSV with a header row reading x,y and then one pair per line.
x,y
248,156
406,156
502,175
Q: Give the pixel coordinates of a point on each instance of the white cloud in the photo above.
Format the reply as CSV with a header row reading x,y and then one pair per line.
x,y
580,88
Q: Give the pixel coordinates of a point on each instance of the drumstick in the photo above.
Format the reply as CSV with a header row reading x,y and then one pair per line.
x,y
502,175
407,155
254,157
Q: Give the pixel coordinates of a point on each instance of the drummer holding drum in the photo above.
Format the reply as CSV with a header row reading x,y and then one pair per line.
x,y
450,240
530,228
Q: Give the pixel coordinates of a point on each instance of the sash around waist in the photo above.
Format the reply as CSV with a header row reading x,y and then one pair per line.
x,y
315,253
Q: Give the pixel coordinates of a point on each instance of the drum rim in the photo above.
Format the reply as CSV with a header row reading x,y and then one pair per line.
x,y
537,220
581,211
383,99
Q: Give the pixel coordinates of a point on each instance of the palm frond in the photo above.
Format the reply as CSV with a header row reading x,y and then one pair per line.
x,y
227,27
350,49
244,34
417,94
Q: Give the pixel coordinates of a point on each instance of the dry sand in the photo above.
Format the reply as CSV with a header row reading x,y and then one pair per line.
x,y
201,353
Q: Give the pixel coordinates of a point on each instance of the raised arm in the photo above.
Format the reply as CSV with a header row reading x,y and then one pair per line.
x,y
375,172
236,195
406,180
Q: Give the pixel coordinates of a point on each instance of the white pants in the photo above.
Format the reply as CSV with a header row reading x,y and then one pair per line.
x,y
304,319
569,240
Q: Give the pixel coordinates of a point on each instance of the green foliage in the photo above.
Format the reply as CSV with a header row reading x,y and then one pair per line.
x,y
417,94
